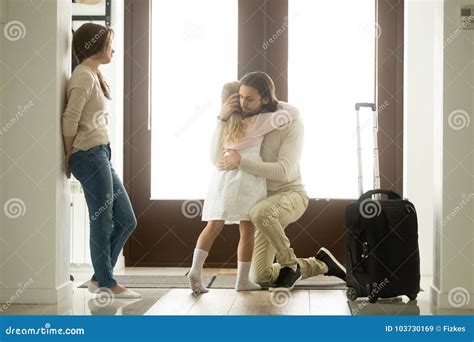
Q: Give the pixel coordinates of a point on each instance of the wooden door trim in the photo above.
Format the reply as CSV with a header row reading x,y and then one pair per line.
x,y
329,222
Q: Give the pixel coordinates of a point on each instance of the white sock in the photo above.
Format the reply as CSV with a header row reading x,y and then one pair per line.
x,y
325,269
194,274
294,267
243,282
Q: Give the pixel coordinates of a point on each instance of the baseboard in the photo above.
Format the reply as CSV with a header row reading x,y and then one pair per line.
x,y
81,268
458,300
60,294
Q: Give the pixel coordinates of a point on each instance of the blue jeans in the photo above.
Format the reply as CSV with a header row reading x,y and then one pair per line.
x,y
111,216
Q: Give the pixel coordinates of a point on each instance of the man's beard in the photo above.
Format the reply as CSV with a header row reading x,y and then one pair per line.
x,y
249,114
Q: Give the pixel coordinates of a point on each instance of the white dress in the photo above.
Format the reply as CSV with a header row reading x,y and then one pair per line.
x,y
233,193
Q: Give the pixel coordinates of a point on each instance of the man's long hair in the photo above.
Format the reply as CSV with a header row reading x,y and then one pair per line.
x,y
265,87
237,124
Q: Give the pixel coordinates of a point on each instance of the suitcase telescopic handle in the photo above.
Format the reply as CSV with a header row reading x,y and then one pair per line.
x,y
390,193
375,129
365,104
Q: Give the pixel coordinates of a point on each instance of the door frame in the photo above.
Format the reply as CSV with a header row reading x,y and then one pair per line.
x,y
164,236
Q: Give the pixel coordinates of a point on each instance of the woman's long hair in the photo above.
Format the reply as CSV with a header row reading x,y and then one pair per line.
x,y
91,39
236,125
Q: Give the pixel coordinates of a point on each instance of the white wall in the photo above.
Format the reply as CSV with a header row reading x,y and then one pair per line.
x,y
34,65
418,121
439,158
115,70
454,153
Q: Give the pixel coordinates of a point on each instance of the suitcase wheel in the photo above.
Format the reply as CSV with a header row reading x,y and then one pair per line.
x,y
412,296
351,293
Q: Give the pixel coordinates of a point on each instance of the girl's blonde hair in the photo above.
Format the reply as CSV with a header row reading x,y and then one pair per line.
x,y
236,125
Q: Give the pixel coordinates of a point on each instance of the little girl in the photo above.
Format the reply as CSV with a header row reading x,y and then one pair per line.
x,y
233,193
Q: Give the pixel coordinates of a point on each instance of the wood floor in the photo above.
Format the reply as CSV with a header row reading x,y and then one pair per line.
x,y
165,301
230,302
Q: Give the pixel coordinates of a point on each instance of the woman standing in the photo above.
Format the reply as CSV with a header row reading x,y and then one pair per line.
x,y
88,157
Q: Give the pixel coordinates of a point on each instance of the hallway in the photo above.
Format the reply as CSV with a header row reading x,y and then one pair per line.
x,y
162,301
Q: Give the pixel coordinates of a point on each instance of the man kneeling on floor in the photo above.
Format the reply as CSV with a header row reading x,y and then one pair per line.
x,y
286,202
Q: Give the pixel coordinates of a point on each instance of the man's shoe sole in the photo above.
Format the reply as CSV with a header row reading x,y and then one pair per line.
x,y
333,258
276,289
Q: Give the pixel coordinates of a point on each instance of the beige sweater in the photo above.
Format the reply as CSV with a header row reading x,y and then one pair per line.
x,y
281,153
86,115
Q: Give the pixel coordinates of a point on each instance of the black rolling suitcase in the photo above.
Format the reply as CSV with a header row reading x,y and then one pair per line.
x,y
382,238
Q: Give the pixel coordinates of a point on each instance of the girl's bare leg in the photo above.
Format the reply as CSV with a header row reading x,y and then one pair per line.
x,y
203,246
209,234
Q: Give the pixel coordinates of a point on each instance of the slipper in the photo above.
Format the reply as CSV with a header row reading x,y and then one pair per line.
x,y
92,287
127,294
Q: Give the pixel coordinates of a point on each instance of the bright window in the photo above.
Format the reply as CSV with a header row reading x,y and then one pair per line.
x,y
331,67
194,52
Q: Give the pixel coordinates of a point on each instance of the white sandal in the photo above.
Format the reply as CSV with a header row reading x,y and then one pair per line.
x,y
92,287
127,294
